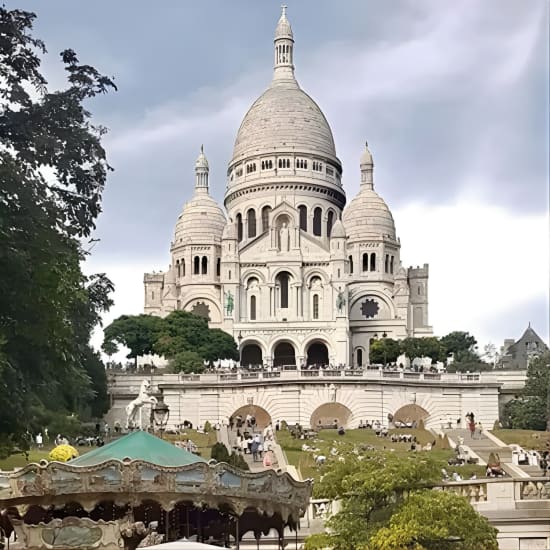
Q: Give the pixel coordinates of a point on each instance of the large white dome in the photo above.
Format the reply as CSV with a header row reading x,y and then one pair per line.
x,y
284,119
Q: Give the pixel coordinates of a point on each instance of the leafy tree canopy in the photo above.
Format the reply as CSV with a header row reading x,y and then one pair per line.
x,y
381,495
183,338
48,307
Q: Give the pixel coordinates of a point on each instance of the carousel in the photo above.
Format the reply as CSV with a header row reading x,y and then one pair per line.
x,y
120,495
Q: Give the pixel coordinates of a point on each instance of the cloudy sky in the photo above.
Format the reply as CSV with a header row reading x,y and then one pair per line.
x,y
452,97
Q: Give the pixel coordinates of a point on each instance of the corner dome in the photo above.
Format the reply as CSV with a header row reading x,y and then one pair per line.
x,y
338,231
284,119
201,222
367,216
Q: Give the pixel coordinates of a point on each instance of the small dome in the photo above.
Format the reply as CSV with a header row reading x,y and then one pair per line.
x,y
202,161
202,221
367,216
338,231
283,30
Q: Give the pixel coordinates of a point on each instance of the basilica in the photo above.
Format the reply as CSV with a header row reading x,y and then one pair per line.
x,y
295,275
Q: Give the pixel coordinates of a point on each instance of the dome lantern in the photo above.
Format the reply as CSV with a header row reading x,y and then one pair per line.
x,y
367,167
284,51
201,173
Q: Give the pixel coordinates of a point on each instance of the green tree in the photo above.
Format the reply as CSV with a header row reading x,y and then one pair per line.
x,y
459,343
446,522
48,307
378,494
137,332
219,452
384,350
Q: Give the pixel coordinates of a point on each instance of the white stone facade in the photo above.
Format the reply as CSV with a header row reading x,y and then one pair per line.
x,y
291,273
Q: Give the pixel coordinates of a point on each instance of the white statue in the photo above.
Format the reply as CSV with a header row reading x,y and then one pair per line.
x,y
284,238
135,406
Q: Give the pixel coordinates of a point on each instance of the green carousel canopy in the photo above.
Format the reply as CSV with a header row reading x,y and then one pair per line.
x,y
138,446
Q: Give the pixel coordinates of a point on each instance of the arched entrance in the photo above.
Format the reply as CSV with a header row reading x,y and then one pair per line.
x,y
330,415
262,417
284,354
317,354
409,414
251,355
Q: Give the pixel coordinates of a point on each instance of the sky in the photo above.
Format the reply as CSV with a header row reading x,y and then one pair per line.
x,y
452,97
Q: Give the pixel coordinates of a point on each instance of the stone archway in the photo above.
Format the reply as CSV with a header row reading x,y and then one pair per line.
x,y
317,354
284,354
330,415
251,355
263,418
410,413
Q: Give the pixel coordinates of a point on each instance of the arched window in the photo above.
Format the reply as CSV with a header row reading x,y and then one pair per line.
x,y
391,265
330,222
317,221
239,227
218,266
316,306
178,267
282,280
204,265
386,263
251,219
365,262
350,264
359,357
252,308
373,261
303,217
196,265
265,217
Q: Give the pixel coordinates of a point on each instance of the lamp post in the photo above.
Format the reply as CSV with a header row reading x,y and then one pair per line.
x,y
384,336
161,413
239,339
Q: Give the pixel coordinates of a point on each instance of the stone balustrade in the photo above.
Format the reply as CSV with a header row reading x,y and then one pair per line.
x,y
122,383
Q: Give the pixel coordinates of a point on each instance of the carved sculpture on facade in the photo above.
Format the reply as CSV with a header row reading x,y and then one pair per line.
x,y
134,408
229,303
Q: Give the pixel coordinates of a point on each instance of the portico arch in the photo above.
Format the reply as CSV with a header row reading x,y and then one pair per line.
x,y
263,418
284,354
251,355
410,413
317,353
330,415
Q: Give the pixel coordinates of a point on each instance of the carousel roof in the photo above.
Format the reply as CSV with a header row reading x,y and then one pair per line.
x,y
138,446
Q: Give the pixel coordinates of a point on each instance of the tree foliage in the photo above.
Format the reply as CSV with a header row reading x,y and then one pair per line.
x,y
379,493
183,338
48,307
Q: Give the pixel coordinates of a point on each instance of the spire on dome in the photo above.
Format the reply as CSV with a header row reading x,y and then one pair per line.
x,y
367,165
201,173
284,51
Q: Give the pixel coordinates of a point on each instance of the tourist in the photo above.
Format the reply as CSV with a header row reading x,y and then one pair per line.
x,y
254,450
277,426
480,429
544,462
268,459
39,442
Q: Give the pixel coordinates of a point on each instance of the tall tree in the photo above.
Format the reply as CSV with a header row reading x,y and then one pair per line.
x,y
47,305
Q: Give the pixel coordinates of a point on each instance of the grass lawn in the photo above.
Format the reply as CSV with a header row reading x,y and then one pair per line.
x,y
326,439
528,439
18,460
204,442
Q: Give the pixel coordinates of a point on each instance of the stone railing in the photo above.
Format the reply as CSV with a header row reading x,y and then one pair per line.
x,y
130,383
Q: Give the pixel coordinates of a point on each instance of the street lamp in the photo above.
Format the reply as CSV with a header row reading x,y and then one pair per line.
x,y
161,413
384,336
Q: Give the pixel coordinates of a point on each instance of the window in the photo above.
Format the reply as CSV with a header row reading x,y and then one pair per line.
x,y
152,295
252,308
196,265
338,273
317,166
251,219
284,163
229,275
330,171
239,227
420,291
183,268
218,266
301,163
283,279
267,164
391,265
265,217
178,267
373,261
250,168
386,263
365,262
204,265
316,306
359,357
350,259
317,221
330,222
303,217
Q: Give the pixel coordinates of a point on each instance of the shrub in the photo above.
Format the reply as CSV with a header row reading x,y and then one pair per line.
x,y
219,452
